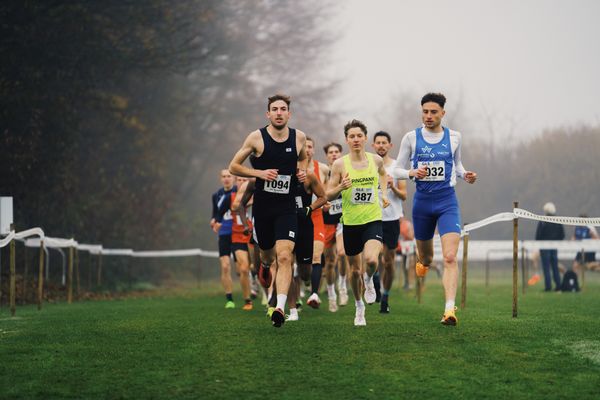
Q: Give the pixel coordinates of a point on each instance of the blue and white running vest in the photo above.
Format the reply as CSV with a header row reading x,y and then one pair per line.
x,y
438,160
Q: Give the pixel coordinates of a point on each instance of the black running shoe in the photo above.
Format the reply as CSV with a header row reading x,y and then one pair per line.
x,y
385,308
278,318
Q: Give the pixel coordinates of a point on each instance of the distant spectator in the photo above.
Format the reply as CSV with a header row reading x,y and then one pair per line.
x,y
583,258
549,256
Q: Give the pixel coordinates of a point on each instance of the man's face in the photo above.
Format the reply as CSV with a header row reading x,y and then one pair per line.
x,y
239,180
278,114
381,145
226,179
432,115
333,153
356,139
310,149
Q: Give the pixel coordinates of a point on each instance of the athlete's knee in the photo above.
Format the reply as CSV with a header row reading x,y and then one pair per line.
x,y
267,257
450,259
372,260
243,269
226,268
284,257
425,259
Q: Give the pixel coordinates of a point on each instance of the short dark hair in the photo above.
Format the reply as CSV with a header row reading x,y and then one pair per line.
x,y
355,124
334,144
384,134
277,97
309,138
438,98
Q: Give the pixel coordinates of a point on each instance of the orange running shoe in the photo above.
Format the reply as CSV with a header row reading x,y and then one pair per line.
x,y
421,269
533,280
449,317
247,307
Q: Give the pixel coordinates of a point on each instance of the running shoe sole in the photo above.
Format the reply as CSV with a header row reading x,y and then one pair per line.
x,y
277,318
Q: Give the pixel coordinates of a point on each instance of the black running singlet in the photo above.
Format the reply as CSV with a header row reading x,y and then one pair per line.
x,y
276,197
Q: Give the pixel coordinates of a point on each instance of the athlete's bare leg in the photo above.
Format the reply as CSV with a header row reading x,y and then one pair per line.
x,y
450,243
243,269
356,280
226,281
371,253
283,279
388,259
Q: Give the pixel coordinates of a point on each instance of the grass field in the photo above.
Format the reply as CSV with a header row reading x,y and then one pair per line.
x,y
185,345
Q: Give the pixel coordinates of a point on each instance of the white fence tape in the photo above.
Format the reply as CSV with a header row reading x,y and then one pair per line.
x,y
117,252
51,242
507,216
30,232
168,253
7,239
92,248
519,212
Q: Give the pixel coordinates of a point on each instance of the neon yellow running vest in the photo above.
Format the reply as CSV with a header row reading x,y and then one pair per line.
x,y
360,203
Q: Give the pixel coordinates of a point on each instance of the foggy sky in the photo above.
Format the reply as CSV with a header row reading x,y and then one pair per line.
x,y
532,63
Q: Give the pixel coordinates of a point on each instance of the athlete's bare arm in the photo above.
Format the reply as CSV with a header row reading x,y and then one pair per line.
x,y
248,193
252,144
339,180
399,189
324,172
318,190
302,158
237,202
382,178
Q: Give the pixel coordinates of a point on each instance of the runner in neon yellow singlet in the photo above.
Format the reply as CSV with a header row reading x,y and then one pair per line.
x,y
357,176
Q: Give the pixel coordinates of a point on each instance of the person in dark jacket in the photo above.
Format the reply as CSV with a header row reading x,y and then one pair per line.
x,y
549,256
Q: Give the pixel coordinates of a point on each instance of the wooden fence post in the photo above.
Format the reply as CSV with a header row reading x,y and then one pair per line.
x,y
13,282
515,261
70,277
41,276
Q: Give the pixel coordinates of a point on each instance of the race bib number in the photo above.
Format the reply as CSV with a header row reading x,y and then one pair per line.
x,y
299,202
280,185
362,196
336,207
436,170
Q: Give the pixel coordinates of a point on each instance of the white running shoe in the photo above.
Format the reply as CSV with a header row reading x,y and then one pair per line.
x,y
370,294
314,301
343,296
293,315
359,318
333,303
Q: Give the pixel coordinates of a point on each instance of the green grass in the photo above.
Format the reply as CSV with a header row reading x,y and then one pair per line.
x,y
188,346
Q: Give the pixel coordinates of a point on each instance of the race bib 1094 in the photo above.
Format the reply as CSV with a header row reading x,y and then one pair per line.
x,y
280,185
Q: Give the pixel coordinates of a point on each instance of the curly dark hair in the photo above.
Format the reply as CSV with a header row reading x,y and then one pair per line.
x,y
434,97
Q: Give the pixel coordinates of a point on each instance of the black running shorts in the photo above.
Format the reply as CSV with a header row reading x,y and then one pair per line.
x,y
355,236
391,233
275,227
224,245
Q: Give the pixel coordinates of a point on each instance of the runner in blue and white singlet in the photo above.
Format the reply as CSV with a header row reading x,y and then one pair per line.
x,y
431,155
